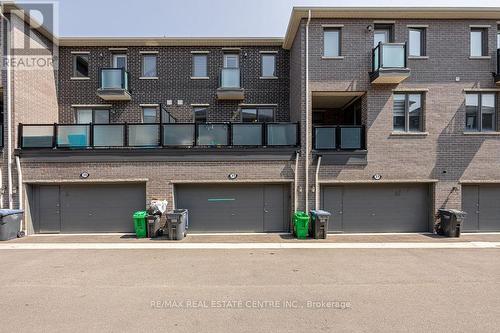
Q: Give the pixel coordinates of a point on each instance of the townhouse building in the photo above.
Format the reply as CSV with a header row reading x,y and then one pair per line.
x,y
378,115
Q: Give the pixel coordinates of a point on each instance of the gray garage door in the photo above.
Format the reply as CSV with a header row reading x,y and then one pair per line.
x,y
482,205
86,208
235,208
377,208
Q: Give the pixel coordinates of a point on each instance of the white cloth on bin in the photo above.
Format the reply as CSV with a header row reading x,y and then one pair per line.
x,y
157,207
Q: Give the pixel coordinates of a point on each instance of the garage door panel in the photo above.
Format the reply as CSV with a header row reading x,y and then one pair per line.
x,y
381,208
489,208
97,208
470,204
332,202
231,208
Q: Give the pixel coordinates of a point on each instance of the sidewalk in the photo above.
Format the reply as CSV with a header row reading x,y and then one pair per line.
x,y
259,238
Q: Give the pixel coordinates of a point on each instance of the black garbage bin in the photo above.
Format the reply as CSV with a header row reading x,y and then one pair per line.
x,y
450,222
319,223
10,223
154,228
177,224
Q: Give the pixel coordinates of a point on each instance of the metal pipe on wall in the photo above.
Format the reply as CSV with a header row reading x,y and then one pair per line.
x,y
20,191
307,112
9,113
295,198
316,185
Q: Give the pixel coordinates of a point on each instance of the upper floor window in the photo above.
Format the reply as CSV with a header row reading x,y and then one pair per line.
x,y
498,37
331,42
200,114
80,65
407,113
480,112
417,42
383,34
95,116
200,65
149,115
478,42
119,60
268,65
257,115
149,65
231,60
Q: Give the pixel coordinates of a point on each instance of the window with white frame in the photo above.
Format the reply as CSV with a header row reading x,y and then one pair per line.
x,y
200,65
268,65
480,112
149,114
331,42
149,65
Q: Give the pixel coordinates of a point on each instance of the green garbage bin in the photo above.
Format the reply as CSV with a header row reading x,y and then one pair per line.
x,y
140,224
301,224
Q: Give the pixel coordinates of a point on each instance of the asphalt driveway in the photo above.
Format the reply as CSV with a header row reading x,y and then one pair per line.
x,y
370,290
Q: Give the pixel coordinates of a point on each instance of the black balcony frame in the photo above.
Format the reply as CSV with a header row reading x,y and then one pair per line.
x,y
496,75
160,138
380,49
338,137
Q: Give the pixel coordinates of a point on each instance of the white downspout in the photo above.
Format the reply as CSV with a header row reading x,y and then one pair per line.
x,y
20,191
9,112
295,198
307,111
316,185
1,188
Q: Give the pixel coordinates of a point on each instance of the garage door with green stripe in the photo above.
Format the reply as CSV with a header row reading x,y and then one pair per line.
x,y
86,208
377,208
482,205
235,207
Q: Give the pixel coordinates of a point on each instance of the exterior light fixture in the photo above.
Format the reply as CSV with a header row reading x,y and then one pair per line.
x,y
377,176
84,175
369,28
232,176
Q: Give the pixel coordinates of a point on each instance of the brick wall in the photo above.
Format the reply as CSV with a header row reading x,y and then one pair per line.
x,y
175,83
445,153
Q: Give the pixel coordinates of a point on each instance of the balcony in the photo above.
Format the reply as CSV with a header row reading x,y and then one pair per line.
x,y
344,144
230,85
389,63
497,74
147,136
114,84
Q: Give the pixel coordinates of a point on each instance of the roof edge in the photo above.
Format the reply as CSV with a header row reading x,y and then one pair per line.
x,y
299,13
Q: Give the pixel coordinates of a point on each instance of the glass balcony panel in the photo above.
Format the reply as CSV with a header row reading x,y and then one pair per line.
x,y
350,138
247,134
73,136
282,134
230,78
109,135
178,135
143,135
212,135
325,138
393,56
37,136
114,78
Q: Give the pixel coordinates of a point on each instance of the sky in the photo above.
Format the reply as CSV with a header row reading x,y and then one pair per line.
x,y
203,18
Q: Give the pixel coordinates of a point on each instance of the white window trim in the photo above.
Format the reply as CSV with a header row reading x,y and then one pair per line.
x,y
80,52
482,26
332,25
76,78
333,58
268,52
200,52
149,78
149,52
200,78
142,77
417,25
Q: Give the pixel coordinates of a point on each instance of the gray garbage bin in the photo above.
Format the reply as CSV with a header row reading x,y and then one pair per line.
x,y
450,222
319,223
177,224
153,222
10,223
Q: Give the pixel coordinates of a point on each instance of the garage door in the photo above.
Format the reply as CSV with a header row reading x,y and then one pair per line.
x,y
377,208
86,208
235,208
482,205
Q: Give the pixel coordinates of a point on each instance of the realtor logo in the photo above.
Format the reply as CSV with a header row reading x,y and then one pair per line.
x,y
28,35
